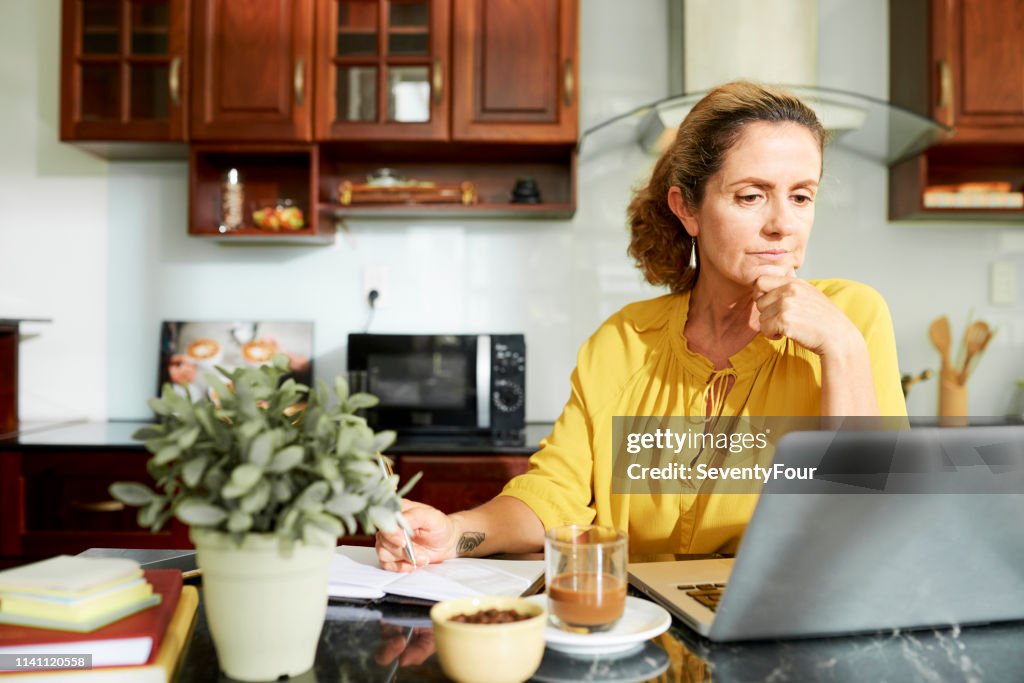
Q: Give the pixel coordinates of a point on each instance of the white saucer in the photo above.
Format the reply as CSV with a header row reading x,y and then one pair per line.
x,y
641,621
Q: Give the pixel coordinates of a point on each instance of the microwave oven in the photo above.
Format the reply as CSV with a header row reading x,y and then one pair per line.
x,y
448,385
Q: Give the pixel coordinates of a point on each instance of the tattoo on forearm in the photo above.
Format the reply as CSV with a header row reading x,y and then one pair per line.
x,y
469,541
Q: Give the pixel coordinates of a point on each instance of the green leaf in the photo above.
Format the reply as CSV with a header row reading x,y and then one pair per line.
x,y
256,500
186,440
382,440
286,458
282,490
346,504
239,521
287,522
167,454
280,361
150,432
325,523
243,478
132,493
313,496
192,472
159,407
148,514
346,437
262,447
341,388
359,401
383,518
197,512
409,484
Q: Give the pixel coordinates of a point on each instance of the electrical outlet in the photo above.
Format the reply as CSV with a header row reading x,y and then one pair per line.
x,y
375,277
1003,285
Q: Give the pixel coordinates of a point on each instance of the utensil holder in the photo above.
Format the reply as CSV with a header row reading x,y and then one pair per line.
x,y
952,402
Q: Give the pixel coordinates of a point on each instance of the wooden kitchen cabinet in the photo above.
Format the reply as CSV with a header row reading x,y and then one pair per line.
x,y
459,482
960,62
124,70
382,69
515,70
55,500
252,70
270,175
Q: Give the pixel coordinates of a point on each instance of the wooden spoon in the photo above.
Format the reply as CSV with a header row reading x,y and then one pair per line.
x,y
976,339
941,337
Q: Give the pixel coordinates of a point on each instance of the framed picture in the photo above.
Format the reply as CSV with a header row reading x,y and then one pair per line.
x,y
188,350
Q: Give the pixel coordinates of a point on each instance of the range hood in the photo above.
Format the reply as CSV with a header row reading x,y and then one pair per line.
x,y
715,41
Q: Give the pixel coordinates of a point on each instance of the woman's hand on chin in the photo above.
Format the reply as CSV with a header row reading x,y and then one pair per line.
x,y
794,308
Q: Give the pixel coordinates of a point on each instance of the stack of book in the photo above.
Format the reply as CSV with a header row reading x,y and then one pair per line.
x,y
73,593
131,626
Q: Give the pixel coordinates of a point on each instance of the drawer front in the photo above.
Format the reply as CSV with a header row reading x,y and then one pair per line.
x,y
453,483
68,507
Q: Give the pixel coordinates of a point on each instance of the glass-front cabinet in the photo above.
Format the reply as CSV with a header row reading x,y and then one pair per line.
x,y
124,70
383,69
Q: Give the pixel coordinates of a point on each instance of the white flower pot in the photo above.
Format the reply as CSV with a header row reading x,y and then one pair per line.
x,y
265,610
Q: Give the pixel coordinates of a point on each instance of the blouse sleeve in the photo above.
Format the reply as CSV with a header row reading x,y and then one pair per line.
x,y
869,312
557,486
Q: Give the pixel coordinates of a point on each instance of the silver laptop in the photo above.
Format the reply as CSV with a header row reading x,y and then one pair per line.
x,y
861,548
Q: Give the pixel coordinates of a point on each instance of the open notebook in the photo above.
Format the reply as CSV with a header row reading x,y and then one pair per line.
x,y
356,574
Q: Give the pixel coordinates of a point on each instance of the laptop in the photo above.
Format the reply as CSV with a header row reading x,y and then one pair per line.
x,y
868,544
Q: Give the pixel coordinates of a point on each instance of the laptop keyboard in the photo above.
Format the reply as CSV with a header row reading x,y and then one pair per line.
x,y
707,594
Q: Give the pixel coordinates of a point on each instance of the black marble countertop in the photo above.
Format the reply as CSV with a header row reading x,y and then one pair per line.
x,y
117,435
386,642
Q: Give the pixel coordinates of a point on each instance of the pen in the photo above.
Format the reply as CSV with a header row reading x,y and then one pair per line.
x,y
385,468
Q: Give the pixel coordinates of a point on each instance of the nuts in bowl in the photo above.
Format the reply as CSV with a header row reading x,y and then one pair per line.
x,y
489,639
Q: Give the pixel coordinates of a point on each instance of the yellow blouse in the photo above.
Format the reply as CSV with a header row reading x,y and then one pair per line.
x,y
638,363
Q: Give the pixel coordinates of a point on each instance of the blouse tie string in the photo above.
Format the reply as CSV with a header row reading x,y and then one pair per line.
x,y
716,390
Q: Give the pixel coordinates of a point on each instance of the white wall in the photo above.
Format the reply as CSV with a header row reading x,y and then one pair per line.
x,y
125,224
53,234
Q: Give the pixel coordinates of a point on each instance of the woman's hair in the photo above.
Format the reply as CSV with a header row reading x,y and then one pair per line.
x,y
659,243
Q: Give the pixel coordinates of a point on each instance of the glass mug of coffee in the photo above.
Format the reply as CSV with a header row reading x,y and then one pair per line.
x,y
585,568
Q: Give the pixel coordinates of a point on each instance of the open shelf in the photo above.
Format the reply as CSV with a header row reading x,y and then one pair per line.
x,y
492,170
951,164
268,173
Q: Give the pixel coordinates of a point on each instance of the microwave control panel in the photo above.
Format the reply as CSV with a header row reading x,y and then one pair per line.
x,y
508,382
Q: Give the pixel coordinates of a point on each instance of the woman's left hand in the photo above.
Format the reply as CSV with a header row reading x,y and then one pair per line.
x,y
794,308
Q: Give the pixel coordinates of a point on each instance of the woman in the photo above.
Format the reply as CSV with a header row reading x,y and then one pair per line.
x,y
724,223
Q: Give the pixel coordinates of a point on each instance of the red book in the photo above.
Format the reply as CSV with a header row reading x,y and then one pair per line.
x,y
130,641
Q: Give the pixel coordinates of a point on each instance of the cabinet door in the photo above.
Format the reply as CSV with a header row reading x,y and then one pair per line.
x,y
978,48
459,482
382,69
515,70
252,68
123,70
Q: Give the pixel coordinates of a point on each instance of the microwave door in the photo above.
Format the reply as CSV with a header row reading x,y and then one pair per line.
x,y
483,381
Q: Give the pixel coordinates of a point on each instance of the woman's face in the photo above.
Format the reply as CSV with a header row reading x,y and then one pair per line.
x,y
758,209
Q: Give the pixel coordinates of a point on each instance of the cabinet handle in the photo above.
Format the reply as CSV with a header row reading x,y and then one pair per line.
x,y
438,82
945,84
174,81
569,81
299,81
98,506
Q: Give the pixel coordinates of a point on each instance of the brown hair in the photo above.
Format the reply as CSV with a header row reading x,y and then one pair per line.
x,y
659,243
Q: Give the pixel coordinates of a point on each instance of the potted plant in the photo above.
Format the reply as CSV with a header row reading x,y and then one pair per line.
x,y
267,474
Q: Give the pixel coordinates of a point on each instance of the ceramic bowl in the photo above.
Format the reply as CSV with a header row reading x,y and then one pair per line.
x,y
489,653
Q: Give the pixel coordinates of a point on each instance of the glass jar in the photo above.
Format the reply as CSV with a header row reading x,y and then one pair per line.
x,y
232,201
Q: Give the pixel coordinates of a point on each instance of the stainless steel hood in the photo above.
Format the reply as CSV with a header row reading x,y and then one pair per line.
x,y
713,41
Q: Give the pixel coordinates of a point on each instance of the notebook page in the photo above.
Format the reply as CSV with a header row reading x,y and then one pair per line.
x,y
461,577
